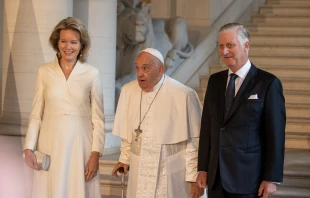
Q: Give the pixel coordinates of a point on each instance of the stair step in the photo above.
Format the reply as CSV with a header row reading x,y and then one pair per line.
x,y
301,72
298,110
291,97
111,196
267,40
296,172
301,84
111,188
281,61
296,168
298,141
278,29
112,185
295,180
297,126
293,84
288,2
276,19
300,10
279,51
106,166
291,192
297,97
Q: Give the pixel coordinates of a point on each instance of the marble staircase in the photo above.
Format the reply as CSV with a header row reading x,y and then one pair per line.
x,y
280,44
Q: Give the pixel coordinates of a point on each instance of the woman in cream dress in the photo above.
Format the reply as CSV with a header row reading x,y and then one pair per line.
x,y
67,120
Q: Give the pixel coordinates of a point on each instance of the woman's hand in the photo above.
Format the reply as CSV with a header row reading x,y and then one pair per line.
x,y
92,167
30,159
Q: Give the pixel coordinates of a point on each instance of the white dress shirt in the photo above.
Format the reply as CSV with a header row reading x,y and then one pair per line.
x,y
242,73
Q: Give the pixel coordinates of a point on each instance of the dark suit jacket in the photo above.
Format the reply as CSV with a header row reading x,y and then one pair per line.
x,y
248,146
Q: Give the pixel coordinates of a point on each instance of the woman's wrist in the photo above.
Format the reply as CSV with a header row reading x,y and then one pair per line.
x,y
26,150
96,152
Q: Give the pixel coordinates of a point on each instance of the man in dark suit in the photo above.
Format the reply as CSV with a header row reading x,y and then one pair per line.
x,y
241,147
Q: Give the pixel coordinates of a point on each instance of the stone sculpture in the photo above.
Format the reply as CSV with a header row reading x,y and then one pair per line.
x,y
136,30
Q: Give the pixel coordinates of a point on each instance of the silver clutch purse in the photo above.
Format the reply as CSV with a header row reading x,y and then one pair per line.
x,y
43,160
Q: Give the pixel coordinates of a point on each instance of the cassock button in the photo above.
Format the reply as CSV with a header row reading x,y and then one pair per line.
x,y
223,128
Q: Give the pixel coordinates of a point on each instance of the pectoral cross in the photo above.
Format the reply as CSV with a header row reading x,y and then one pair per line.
x,y
138,132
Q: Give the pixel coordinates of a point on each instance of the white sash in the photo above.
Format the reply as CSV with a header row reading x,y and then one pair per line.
x,y
148,168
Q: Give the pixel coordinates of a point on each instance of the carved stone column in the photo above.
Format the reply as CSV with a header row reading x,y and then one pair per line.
x,y
25,28
99,17
27,25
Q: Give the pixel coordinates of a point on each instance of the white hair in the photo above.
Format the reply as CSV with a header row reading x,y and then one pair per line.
x,y
243,33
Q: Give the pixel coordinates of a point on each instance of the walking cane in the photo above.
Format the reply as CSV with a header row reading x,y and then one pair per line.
x,y
121,170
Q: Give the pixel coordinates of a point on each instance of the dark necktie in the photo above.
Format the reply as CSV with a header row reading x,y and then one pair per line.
x,y
230,94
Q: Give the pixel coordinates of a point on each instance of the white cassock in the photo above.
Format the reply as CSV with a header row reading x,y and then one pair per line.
x,y
66,123
164,158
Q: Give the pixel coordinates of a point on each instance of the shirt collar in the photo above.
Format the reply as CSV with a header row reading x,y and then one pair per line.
x,y
156,87
243,71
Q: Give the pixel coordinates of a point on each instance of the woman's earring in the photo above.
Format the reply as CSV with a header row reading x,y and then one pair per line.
x,y
58,55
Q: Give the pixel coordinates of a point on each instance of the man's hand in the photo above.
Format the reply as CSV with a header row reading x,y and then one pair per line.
x,y
202,179
92,167
119,165
196,191
266,188
30,159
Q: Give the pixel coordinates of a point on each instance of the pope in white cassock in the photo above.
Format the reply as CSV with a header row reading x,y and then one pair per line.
x,y
158,120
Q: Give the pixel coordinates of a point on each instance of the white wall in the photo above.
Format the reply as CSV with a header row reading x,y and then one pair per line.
x,y
161,8
99,18
217,7
196,12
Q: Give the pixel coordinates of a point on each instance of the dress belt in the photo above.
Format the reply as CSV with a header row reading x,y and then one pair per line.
x,y
65,113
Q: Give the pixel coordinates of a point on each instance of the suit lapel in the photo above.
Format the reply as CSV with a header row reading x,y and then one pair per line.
x,y
242,93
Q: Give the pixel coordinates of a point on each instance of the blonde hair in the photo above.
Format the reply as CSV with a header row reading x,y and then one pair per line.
x,y
72,23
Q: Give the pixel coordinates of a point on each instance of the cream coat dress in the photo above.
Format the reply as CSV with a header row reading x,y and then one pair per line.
x,y
66,122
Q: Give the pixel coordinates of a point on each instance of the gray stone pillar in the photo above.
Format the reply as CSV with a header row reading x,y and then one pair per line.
x,y
25,26
99,17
